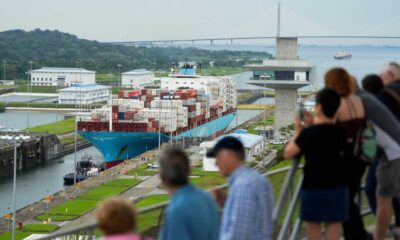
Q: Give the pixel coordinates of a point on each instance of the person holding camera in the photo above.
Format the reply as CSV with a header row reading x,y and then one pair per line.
x,y
324,195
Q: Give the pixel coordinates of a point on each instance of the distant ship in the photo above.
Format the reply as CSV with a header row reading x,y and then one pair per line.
x,y
342,55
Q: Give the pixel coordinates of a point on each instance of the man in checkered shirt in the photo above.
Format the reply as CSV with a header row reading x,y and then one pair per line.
x,y
248,208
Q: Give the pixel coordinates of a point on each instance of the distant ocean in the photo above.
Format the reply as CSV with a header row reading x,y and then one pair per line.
x,y
365,60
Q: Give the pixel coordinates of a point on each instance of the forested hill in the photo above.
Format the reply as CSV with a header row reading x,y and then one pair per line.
x,y
57,49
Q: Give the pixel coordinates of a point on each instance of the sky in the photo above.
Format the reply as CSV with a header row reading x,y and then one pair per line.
x,y
130,20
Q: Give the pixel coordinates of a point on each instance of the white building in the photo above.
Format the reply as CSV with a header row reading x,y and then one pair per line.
x,y
84,94
138,78
253,145
51,76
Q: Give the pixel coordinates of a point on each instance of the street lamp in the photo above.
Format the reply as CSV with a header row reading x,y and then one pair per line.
x,y
76,126
29,92
15,138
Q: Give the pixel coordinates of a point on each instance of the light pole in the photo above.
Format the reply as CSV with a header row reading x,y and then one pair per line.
x,y
29,92
15,138
76,129
4,70
57,107
159,130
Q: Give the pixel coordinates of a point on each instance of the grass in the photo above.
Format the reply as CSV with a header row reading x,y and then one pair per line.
x,y
77,207
254,106
151,200
40,228
266,121
30,229
149,219
59,218
103,192
64,126
18,236
142,170
205,179
128,182
276,146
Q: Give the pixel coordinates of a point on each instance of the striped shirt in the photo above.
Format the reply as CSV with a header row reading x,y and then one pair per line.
x,y
248,208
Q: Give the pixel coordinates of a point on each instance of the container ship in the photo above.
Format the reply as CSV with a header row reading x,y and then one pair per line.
x,y
186,105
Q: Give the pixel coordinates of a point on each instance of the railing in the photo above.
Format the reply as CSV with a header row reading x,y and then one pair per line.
x,y
151,218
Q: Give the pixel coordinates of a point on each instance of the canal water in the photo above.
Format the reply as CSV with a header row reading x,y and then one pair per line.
x,y
18,119
34,184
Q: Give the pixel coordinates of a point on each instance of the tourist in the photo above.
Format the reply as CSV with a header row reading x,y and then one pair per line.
x,y
390,74
351,114
248,208
117,220
388,172
374,84
324,194
192,213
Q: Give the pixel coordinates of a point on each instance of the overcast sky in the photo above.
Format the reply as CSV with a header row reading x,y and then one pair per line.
x,y
122,20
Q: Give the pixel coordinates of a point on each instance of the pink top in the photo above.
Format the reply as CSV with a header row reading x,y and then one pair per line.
x,y
125,236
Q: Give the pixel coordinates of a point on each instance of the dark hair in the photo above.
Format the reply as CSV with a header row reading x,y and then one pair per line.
x,y
228,143
174,167
373,84
329,100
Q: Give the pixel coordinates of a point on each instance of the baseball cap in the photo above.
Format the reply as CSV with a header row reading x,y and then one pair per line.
x,y
227,143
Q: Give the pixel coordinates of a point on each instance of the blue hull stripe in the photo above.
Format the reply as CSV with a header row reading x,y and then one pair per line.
x,y
122,145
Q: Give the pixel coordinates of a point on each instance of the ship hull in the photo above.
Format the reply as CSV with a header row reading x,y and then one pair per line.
x,y
117,146
342,57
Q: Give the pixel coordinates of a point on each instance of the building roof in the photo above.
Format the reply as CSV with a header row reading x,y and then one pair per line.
x,y
137,72
84,88
63,70
248,140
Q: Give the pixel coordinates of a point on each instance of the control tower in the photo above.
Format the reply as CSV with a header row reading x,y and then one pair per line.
x,y
285,73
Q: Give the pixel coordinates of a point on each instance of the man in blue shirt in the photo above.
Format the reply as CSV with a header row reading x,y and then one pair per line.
x,y
192,213
248,208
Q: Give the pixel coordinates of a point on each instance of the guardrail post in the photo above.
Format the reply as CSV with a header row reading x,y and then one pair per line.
x,y
285,190
292,207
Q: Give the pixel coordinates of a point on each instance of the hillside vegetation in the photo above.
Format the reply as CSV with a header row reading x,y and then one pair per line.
x,y
57,49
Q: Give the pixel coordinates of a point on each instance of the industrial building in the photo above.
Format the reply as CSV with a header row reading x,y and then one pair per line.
x,y
138,78
253,144
64,77
84,94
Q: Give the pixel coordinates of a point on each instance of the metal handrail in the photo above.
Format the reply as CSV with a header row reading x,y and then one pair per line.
x,y
285,191
91,226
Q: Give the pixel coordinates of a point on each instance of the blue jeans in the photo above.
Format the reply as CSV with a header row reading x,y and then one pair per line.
x,y
370,191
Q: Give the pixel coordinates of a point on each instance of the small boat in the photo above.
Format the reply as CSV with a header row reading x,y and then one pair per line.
x,y
85,168
342,55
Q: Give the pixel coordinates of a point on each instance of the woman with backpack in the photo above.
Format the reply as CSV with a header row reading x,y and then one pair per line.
x,y
351,115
